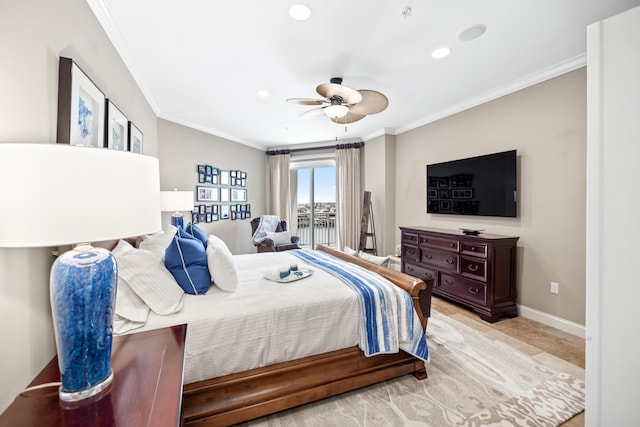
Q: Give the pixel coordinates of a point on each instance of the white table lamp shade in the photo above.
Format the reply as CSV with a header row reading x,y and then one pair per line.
x,y
55,194
176,201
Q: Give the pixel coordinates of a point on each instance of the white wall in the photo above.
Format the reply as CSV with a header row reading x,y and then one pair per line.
x,y
613,351
33,35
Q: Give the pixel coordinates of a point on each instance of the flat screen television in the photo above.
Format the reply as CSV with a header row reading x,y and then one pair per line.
x,y
482,185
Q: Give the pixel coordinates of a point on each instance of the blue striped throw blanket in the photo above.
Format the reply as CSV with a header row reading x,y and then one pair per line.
x,y
389,321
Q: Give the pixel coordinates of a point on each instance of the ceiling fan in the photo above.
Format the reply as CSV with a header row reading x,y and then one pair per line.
x,y
343,104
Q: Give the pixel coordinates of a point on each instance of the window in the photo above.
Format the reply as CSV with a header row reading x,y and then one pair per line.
x,y
315,201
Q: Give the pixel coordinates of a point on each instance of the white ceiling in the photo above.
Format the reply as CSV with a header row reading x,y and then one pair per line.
x,y
201,63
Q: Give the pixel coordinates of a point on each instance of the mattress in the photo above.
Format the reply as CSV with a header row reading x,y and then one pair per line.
x,y
263,322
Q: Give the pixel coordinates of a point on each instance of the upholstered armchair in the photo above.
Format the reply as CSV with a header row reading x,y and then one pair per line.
x,y
277,241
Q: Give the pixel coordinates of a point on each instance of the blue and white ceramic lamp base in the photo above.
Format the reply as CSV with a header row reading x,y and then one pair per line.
x,y
83,289
177,220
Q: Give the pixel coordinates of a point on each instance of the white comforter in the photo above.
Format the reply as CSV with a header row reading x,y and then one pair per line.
x,y
263,322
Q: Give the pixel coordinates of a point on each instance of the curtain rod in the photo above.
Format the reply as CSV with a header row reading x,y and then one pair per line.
x,y
295,150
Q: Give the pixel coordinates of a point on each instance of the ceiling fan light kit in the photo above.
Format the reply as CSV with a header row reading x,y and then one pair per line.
x,y
343,104
336,111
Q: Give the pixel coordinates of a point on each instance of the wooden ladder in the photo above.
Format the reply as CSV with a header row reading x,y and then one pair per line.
x,y
367,227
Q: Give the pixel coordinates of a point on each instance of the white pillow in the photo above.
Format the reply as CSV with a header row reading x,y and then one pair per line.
x,y
222,267
380,260
131,312
347,250
281,238
144,272
158,241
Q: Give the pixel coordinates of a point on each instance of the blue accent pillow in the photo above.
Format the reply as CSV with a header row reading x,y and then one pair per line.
x,y
194,231
186,260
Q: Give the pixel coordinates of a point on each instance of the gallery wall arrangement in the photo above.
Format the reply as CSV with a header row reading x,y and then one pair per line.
x,y
87,117
220,195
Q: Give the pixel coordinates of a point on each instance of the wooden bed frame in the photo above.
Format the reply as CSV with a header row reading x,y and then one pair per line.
x,y
247,395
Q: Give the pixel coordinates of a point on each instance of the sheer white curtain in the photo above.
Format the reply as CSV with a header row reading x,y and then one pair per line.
x,y
348,196
280,199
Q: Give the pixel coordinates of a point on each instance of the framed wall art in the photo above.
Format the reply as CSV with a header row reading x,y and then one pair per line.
x,y
81,107
206,194
238,195
135,139
224,194
117,132
224,177
224,211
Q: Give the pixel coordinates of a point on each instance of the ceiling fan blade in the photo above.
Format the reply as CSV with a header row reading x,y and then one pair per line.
x,y
313,113
350,96
349,118
306,101
372,102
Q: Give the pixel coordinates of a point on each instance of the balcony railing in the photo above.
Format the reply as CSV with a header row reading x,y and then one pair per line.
x,y
324,229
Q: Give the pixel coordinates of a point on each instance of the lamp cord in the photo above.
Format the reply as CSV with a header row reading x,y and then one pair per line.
x,y
45,385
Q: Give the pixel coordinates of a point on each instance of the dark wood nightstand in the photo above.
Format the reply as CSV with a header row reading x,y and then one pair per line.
x,y
147,387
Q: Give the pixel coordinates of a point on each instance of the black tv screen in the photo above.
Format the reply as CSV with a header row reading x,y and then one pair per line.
x,y
482,185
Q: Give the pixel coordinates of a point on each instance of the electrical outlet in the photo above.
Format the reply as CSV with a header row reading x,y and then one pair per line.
x,y
554,287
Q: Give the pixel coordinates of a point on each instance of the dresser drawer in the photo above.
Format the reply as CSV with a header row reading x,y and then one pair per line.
x,y
427,241
411,238
410,253
463,288
473,248
475,268
439,259
419,272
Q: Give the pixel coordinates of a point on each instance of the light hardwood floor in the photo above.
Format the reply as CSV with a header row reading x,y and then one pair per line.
x,y
547,339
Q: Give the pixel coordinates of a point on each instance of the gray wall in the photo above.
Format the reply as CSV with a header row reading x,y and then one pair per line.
x,y
380,180
546,123
33,35
181,149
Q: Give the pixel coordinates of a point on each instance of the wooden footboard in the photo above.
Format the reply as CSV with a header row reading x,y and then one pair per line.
x,y
247,395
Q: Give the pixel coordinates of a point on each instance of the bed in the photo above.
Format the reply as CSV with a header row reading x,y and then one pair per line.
x,y
238,369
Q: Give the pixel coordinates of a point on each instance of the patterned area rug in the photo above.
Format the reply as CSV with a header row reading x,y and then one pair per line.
x,y
475,379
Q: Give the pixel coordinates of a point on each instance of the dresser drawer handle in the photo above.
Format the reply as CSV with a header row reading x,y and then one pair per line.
x,y
474,290
427,256
449,261
472,267
448,282
411,251
473,248
453,245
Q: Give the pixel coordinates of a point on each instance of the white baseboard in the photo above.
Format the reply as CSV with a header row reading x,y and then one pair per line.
x,y
553,321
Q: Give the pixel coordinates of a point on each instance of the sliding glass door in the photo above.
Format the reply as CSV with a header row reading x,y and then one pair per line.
x,y
316,205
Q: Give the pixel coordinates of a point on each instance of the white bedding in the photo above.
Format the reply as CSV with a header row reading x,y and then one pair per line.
x,y
263,322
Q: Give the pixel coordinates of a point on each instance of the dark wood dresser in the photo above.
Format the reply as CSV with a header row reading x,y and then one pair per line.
x,y
146,389
477,271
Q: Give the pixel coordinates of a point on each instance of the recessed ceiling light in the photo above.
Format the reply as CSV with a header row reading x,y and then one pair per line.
x,y
441,52
262,94
300,12
472,32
